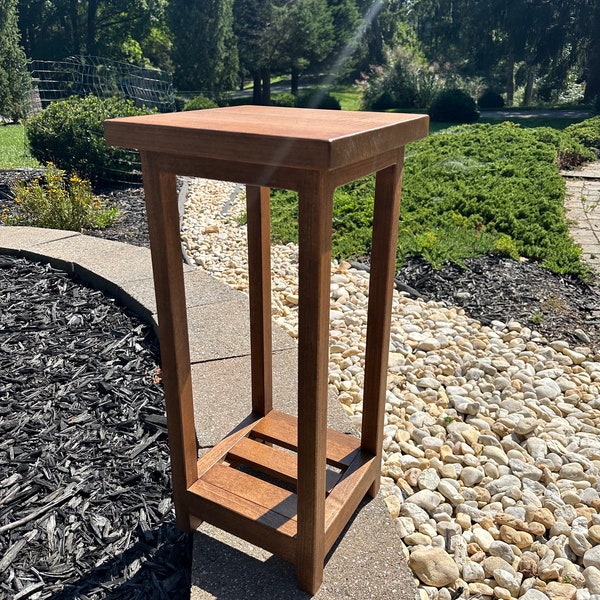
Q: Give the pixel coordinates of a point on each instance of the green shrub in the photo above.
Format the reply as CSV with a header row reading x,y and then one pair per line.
x,y
59,202
283,99
70,134
318,99
570,151
200,103
453,106
586,132
490,99
405,80
467,191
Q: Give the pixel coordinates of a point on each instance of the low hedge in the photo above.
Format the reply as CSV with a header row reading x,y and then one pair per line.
x,y
69,133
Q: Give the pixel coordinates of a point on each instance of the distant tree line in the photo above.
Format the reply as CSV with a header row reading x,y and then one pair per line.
x,y
214,46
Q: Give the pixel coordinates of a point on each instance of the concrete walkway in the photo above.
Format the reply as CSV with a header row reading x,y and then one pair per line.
x,y
368,561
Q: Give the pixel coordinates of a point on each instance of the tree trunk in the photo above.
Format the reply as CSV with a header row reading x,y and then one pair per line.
x,y
256,88
295,79
592,82
266,87
510,80
528,95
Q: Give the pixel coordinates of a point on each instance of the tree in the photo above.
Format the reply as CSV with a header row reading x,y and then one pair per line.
x,y
309,37
251,20
131,30
14,78
508,42
205,51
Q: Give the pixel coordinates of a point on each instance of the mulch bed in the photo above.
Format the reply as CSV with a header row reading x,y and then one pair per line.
x,y
85,495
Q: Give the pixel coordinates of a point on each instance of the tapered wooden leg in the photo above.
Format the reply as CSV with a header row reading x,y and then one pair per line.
x,y
315,215
381,285
167,265
259,274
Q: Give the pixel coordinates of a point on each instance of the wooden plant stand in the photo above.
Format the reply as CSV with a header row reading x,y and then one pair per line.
x,y
300,509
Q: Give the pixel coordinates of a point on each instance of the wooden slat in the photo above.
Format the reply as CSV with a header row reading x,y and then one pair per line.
x,y
348,493
282,429
267,459
261,493
243,519
274,462
218,452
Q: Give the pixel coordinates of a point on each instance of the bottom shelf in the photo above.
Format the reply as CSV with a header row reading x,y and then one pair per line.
x,y
247,483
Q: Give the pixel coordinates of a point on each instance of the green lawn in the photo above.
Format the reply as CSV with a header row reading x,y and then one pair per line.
x,y
14,153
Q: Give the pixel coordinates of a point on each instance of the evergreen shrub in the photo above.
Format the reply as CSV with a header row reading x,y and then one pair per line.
x,y
490,99
200,103
283,99
70,134
586,132
467,191
318,100
453,106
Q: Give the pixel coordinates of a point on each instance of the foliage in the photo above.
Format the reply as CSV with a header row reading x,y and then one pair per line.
x,y
467,191
205,50
453,106
117,29
318,99
14,152
586,132
60,202
14,78
570,151
200,103
405,80
490,99
70,134
513,42
283,99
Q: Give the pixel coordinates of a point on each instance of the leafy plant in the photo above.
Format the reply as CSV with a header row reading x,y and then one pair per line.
x,y
283,99
70,134
59,202
318,99
586,132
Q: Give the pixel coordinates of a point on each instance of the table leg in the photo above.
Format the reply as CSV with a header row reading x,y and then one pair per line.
x,y
381,286
259,276
167,266
315,217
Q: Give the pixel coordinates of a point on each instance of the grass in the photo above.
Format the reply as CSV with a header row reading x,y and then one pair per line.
x,y
349,96
14,153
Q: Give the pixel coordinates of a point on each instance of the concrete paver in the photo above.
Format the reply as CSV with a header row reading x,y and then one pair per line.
x,y
582,207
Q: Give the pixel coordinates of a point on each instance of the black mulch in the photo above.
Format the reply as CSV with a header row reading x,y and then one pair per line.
x,y
85,499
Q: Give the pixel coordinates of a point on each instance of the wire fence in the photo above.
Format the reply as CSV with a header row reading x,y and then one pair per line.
x,y
83,75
